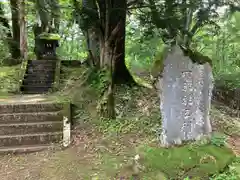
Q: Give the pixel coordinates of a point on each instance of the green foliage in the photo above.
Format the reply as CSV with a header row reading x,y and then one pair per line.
x,y
4,50
233,172
228,80
72,46
140,50
99,80
222,47
179,20
218,140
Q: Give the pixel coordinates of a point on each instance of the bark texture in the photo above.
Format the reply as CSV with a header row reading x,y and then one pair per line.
x,y
23,30
16,53
185,92
118,15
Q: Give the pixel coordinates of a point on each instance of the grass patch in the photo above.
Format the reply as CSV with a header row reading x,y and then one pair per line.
x,y
193,161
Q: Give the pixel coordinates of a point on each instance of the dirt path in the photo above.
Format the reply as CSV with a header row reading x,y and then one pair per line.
x,y
92,156
37,98
234,143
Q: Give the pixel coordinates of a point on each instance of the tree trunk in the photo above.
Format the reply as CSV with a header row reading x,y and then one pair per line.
x,y
55,15
37,30
93,47
185,94
23,30
16,54
118,14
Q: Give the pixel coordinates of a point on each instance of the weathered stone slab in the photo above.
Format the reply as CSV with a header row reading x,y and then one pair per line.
x,y
185,95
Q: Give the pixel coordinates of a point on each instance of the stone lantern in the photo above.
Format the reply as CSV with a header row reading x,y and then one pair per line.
x,y
47,45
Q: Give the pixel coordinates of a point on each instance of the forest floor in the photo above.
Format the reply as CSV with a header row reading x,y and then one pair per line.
x,y
106,150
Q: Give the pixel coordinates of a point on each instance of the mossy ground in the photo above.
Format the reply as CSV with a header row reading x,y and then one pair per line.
x,y
9,80
105,150
193,161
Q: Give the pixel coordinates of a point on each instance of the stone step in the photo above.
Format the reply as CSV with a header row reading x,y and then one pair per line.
x,y
42,77
35,89
33,77
37,69
41,65
45,63
30,92
42,61
37,82
30,139
50,109
25,149
40,71
27,128
30,117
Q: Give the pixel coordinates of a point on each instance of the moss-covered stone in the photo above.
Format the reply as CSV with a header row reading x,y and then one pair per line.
x,y
195,56
193,161
49,36
157,67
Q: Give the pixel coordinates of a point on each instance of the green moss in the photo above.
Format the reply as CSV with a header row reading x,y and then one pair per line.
x,y
195,56
142,82
49,36
157,67
193,161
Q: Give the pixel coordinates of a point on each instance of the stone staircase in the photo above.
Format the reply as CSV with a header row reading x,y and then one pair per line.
x,y
31,124
39,76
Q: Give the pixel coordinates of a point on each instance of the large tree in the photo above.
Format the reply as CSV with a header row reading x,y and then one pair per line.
x,y
16,54
103,22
